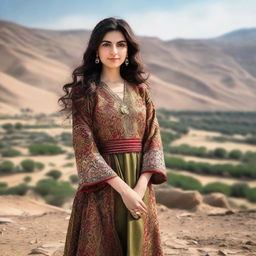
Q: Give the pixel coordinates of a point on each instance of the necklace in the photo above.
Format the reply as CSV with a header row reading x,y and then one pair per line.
x,y
123,109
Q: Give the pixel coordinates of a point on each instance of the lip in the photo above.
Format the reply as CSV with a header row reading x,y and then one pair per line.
x,y
113,59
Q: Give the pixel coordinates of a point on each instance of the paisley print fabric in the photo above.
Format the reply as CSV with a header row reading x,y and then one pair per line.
x,y
99,223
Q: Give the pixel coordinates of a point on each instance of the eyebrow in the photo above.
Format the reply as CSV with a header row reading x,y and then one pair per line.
x,y
122,41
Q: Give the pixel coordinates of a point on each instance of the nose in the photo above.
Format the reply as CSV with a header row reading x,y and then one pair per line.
x,y
114,49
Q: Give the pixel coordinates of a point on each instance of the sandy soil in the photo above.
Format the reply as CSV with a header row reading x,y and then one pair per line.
x,y
200,138
192,233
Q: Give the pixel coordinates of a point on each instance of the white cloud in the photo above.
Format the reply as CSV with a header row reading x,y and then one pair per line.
x,y
194,20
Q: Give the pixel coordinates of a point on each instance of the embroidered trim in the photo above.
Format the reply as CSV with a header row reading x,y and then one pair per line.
x,y
96,170
153,160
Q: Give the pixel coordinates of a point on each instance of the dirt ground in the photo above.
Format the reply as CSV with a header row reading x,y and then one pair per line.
x,y
43,231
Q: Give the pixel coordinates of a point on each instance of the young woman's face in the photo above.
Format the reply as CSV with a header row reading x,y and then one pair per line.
x,y
113,49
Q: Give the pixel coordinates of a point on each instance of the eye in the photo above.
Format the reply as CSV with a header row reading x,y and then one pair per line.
x,y
122,44
105,44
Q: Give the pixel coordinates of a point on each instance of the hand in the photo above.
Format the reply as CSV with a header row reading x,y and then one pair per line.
x,y
140,190
134,203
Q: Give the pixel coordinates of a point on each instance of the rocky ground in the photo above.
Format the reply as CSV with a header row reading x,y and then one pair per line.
x,y
204,230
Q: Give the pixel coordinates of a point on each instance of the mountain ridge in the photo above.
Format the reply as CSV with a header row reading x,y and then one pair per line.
x,y
208,74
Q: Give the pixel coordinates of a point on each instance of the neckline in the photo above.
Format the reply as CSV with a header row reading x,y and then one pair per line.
x,y
115,95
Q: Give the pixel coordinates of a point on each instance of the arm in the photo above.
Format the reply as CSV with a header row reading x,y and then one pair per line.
x,y
93,171
153,156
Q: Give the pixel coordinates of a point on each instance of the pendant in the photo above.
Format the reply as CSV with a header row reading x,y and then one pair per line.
x,y
124,109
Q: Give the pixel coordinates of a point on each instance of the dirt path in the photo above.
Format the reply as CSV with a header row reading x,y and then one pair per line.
x,y
183,233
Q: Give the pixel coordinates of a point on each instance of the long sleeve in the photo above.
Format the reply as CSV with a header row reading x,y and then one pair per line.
x,y
93,171
153,156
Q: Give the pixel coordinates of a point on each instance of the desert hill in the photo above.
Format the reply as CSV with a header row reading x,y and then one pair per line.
x,y
209,74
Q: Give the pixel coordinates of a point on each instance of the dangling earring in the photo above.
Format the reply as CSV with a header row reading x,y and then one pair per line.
x,y
126,61
97,60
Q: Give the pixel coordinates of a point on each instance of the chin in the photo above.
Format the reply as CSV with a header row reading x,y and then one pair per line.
x,y
114,65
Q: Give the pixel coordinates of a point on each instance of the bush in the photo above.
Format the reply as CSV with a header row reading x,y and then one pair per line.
x,y
251,194
216,187
55,174
7,126
220,152
18,126
239,189
20,189
60,193
184,181
27,179
39,165
28,165
45,149
3,184
11,152
73,178
7,167
235,154
70,164
54,192
44,186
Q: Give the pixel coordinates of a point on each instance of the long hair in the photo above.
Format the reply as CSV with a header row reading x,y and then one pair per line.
x,y
87,76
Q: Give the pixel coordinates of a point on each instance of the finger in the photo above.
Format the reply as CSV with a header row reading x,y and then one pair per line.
x,y
142,210
143,204
134,215
144,207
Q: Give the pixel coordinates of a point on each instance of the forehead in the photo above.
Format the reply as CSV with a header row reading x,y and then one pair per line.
x,y
114,36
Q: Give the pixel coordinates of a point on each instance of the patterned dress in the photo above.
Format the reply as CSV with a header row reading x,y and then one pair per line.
x,y
114,137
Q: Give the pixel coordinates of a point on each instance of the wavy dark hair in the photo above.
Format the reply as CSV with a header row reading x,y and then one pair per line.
x,y
87,76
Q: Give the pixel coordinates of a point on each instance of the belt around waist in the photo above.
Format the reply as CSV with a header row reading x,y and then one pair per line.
x,y
121,146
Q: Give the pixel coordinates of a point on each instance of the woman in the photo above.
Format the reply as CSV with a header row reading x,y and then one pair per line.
x,y
118,149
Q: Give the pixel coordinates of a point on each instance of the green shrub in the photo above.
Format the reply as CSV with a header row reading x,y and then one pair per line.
x,y
68,164
7,126
54,192
55,174
6,167
28,165
18,126
39,165
238,171
216,187
27,179
10,152
73,178
3,184
44,186
251,194
220,152
20,189
239,189
60,193
184,181
235,154
45,149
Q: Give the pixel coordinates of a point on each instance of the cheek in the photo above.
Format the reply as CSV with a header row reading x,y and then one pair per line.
x,y
123,51
103,51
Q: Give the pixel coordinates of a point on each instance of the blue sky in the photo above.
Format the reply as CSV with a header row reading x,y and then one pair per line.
x,y
164,19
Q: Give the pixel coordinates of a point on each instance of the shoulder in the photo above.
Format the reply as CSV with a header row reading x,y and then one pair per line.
x,y
82,102
144,89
